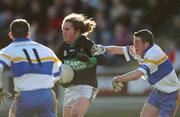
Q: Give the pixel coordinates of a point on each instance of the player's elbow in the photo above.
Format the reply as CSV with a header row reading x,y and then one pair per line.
x,y
137,74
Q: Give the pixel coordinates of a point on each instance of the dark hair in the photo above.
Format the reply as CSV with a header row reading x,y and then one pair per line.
x,y
19,28
80,22
145,35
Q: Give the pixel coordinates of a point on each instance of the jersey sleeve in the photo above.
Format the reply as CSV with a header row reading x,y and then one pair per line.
x,y
60,51
56,67
151,63
92,48
98,53
129,53
5,59
97,49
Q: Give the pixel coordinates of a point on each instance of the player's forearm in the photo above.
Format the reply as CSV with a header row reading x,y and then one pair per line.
x,y
134,75
114,49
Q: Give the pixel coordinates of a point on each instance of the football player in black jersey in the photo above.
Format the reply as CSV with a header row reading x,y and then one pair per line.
x,y
83,55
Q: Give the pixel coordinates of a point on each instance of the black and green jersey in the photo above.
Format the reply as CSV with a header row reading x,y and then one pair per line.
x,y
83,56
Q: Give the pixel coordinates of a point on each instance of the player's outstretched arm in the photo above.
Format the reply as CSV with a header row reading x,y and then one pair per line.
x,y
114,50
133,75
118,80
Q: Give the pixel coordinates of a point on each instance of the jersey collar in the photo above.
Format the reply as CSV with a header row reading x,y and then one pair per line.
x,y
77,40
147,50
21,39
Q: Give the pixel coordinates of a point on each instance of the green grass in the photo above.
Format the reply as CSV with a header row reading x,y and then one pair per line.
x,y
114,114
131,113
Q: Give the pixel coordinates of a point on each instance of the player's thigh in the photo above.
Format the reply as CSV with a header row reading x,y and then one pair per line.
x,y
149,111
80,106
75,92
18,109
66,111
48,105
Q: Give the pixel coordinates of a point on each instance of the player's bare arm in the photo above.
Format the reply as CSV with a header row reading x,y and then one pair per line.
x,y
133,75
114,50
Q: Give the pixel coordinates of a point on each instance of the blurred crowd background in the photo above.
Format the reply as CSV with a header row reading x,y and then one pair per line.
x,y
116,21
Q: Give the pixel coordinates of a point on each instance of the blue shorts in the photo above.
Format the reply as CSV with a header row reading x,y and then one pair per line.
x,y
39,102
167,103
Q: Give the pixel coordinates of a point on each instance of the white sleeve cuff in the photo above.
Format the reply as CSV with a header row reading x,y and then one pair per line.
x,y
144,77
126,54
142,70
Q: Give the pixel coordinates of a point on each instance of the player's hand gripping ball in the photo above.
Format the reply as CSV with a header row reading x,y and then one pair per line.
x,y
117,86
67,74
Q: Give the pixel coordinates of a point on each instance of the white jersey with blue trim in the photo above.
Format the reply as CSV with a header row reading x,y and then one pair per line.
x,y
156,67
33,65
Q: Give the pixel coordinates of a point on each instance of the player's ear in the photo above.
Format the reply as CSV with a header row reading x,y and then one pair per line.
x,y
147,44
10,35
77,33
28,35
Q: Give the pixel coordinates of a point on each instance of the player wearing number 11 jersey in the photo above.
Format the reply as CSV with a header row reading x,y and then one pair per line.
x,y
35,69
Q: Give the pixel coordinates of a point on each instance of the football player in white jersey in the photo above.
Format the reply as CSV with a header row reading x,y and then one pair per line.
x,y
154,66
35,69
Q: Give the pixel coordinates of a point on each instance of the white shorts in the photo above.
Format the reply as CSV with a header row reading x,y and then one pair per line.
x,y
74,92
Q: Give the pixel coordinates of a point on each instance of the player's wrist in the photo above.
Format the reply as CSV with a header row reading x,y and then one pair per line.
x,y
115,79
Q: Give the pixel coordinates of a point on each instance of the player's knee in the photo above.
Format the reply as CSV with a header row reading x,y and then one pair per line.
x,y
76,113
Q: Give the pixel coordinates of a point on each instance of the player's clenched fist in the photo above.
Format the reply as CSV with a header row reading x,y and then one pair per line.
x,y
117,86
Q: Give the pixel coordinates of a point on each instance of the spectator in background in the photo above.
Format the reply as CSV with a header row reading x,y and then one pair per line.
x,y
171,29
36,11
121,34
5,18
102,34
117,9
173,53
